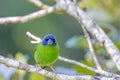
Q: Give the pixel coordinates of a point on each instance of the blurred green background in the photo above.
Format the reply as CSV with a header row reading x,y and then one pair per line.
x,y
14,43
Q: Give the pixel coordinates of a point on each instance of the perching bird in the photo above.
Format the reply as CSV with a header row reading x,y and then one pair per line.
x,y
47,52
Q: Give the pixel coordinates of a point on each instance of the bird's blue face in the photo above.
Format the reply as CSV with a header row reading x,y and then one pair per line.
x,y
49,40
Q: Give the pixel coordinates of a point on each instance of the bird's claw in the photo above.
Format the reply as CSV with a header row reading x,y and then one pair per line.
x,y
38,68
54,73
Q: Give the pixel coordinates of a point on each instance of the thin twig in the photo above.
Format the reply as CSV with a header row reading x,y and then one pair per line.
x,y
36,39
91,48
23,19
105,73
38,3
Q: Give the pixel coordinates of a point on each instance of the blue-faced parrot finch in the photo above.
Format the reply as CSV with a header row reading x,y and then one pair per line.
x,y
47,52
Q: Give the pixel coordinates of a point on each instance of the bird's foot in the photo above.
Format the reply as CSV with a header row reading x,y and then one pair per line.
x,y
54,73
38,68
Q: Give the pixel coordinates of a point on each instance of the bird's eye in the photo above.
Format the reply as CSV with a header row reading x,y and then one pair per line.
x,y
53,40
46,39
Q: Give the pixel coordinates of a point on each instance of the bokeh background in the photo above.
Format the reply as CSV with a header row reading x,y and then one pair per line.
x,y
14,43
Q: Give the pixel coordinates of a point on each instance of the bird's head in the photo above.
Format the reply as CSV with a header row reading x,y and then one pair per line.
x,y
49,40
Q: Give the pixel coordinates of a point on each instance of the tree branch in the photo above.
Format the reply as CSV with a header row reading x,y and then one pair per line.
x,y
38,3
36,39
93,28
26,18
31,68
91,48
105,73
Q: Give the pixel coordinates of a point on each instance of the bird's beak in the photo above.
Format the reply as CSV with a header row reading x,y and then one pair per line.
x,y
49,42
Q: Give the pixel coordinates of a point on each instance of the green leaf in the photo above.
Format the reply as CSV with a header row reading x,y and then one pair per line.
x,y
117,43
1,77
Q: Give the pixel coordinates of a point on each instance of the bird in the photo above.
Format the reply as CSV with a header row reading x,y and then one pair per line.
x,y
47,52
